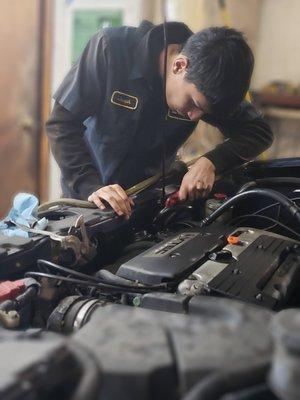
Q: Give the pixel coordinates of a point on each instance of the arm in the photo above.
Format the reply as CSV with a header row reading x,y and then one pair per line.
x,y
78,97
246,136
65,132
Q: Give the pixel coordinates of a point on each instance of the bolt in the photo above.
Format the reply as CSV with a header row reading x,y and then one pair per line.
x,y
259,297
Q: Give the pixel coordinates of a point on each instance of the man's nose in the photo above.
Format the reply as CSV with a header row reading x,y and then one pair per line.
x,y
195,115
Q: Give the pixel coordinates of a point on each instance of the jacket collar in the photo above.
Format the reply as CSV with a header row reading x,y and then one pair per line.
x,y
149,44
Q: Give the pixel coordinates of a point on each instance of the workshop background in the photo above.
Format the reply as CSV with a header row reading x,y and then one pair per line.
x,y
39,40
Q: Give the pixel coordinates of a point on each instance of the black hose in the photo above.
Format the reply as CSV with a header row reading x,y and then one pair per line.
x,y
169,213
288,204
8,305
275,223
109,277
22,300
49,264
260,391
275,181
107,281
103,286
217,384
163,151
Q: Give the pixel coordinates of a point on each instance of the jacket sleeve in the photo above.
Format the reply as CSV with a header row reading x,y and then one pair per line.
x,y
246,136
65,132
77,98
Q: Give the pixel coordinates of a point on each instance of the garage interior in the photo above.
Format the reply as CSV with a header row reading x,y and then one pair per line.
x,y
194,298
55,34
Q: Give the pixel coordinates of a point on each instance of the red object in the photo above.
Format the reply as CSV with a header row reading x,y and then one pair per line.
x,y
173,199
11,289
220,196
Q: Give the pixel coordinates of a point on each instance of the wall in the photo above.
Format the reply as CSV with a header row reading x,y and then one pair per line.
x,y
278,43
198,14
243,15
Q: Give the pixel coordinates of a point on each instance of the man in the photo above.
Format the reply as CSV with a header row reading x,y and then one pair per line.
x,y
106,125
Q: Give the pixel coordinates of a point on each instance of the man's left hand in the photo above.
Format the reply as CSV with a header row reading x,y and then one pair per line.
x,y
198,181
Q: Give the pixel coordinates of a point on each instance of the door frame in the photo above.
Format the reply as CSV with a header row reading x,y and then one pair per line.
x,y
44,105
61,57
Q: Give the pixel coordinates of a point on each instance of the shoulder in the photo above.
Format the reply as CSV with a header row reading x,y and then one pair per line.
x,y
117,35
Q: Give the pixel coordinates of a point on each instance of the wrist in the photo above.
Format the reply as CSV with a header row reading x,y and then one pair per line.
x,y
209,164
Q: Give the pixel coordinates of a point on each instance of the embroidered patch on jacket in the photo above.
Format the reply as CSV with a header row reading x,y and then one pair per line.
x,y
176,115
124,100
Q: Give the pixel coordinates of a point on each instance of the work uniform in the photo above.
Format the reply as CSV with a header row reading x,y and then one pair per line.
x,y
107,122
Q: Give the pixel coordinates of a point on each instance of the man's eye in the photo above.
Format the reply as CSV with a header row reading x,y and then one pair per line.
x,y
193,105
197,107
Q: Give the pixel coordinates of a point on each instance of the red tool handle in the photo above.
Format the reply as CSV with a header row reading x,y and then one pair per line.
x,y
173,199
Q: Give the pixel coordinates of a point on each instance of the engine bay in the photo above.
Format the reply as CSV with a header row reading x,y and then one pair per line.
x,y
141,295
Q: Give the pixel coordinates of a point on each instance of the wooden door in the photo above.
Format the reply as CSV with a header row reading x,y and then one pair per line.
x,y
20,98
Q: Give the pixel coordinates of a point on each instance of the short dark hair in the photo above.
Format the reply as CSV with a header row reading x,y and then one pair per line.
x,y
220,65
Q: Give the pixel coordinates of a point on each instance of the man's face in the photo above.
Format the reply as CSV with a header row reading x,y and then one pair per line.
x,y
182,95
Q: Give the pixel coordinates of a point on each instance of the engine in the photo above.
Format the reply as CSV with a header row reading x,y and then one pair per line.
x,y
172,276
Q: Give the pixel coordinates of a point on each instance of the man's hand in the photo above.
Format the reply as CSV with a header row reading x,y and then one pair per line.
x,y
198,181
115,196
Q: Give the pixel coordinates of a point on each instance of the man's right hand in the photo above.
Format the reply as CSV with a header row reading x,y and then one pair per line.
x,y
115,196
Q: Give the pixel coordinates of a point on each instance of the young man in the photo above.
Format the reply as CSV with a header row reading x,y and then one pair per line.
x,y
106,126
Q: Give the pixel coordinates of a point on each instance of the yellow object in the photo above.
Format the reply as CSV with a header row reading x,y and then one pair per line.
x,y
224,13
139,187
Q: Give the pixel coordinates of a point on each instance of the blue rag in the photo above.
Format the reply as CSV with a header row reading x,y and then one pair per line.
x,y
24,212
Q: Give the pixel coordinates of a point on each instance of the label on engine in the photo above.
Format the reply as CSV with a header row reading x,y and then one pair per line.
x,y
172,244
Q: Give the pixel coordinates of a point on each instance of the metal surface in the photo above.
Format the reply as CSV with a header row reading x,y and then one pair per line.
x,y
82,314
84,250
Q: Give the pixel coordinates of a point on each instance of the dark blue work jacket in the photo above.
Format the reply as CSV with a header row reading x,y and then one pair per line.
x,y
116,90
107,123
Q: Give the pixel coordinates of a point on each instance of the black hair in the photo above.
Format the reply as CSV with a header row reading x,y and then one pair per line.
x,y
220,65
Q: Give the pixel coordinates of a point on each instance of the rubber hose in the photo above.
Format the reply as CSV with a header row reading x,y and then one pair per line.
x,y
275,181
217,384
288,204
109,277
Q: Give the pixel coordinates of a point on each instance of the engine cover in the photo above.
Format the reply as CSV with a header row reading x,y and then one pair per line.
x,y
173,259
263,268
249,264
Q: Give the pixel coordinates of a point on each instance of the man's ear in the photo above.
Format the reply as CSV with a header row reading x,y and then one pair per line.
x,y
180,64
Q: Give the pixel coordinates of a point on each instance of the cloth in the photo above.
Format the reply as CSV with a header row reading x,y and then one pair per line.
x,y
106,125
23,212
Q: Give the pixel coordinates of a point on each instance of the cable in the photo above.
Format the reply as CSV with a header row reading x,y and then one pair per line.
x,y
273,205
288,204
269,207
163,156
100,285
95,278
50,264
267,218
166,212
277,218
